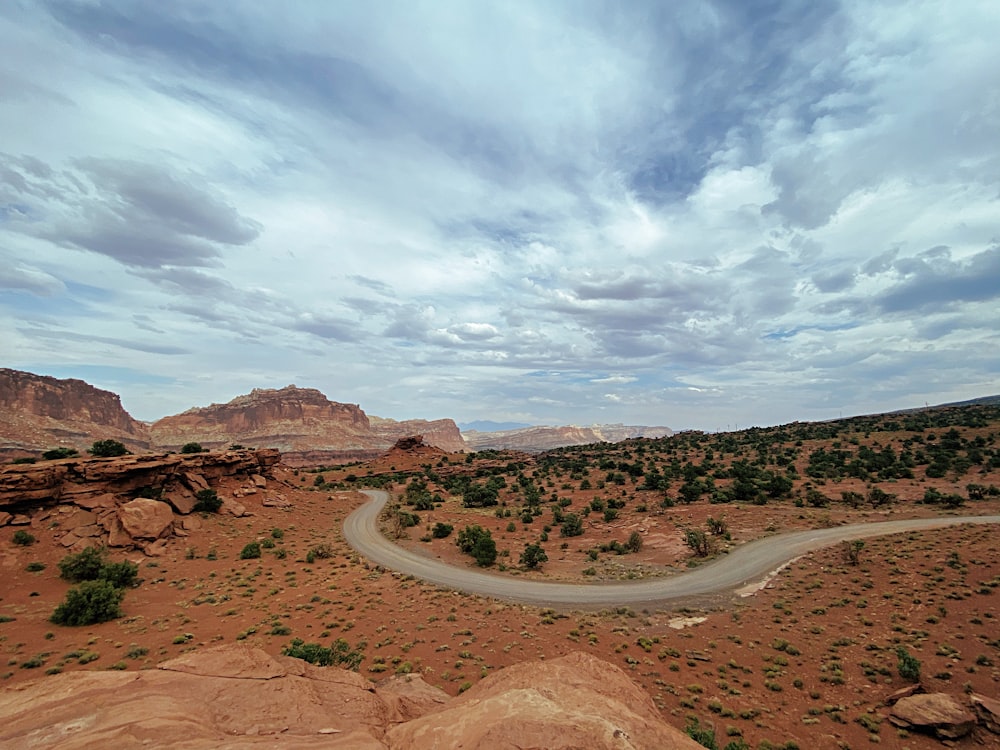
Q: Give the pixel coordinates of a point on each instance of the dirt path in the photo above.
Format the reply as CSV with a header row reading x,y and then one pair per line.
x,y
745,566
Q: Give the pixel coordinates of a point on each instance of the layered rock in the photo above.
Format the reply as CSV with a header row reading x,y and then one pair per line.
x,y
538,439
38,412
129,501
235,696
299,422
937,713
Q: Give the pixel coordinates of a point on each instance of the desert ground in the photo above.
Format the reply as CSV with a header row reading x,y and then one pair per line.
x,y
806,660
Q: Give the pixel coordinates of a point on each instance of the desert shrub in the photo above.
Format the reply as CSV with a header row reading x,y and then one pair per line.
x,y
85,565
57,453
208,501
89,603
122,574
533,556
634,543
339,654
441,530
277,533
319,552
23,538
107,449
572,525
698,541
478,542
250,551
908,666
852,550
192,448
704,736
24,460
34,567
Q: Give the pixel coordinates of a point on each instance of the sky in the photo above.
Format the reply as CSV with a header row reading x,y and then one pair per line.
x,y
696,214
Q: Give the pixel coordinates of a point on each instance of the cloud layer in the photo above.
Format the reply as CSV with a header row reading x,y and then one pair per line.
x,y
698,214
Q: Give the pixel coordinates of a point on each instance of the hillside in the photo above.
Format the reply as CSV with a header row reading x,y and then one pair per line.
x,y
539,439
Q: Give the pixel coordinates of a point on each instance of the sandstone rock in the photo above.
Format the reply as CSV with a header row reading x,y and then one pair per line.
x,y
258,481
5,518
537,439
276,501
93,502
237,697
905,692
20,520
195,482
181,500
76,518
144,518
933,712
576,701
191,523
117,536
988,711
233,508
155,548
409,697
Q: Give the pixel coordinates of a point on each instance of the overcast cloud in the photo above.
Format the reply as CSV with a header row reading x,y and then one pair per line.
x,y
694,214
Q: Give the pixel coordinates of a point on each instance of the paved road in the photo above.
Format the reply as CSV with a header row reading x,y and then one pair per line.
x,y
744,566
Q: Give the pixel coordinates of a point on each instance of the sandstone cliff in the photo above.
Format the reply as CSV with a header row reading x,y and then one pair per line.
x,y
538,439
129,501
236,696
441,433
38,412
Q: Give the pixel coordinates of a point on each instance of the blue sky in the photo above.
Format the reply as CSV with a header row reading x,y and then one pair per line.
x,y
692,214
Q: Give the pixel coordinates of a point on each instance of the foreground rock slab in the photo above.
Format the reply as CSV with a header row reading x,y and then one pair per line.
x,y
938,713
238,696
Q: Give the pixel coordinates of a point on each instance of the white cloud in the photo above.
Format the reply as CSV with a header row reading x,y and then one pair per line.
x,y
723,213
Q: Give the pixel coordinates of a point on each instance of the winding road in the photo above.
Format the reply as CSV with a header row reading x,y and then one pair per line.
x,y
745,566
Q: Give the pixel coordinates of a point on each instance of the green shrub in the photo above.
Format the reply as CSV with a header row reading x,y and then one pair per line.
x,y
192,448
339,654
107,449
23,538
208,501
122,574
533,556
57,453
441,530
85,565
34,567
908,666
250,551
89,603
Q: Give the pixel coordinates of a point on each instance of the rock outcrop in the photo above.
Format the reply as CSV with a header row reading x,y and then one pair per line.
x,y
538,439
296,421
129,501
236,696
38,412
937,713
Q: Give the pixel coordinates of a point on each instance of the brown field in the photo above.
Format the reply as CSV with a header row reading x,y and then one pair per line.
x,y
805,662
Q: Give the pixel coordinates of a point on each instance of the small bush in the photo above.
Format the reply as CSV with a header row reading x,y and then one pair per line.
x,y
85,565
120,574
208,501
57,453
908,666
89,603
339,654
441,530
34,567
250,551
107,449
23,538
192,448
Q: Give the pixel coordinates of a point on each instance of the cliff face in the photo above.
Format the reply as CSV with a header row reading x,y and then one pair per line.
x,y
441,433
39,412
297,421
537,439
289,419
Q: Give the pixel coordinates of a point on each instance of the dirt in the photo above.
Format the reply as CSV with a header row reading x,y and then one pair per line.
x,y
807,660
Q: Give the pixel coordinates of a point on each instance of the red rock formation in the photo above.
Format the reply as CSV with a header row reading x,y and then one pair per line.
x,y
537,439
298,421
129,501
38,412
441,433
235,696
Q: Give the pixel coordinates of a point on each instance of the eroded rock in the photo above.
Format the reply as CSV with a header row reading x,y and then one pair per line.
x,y
938,713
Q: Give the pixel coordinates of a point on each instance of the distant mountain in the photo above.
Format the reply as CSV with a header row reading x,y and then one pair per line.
x,y
538,439
38,412
486,425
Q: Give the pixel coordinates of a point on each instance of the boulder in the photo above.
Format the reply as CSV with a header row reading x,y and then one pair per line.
x,y
576,701
181,499
409,697
988,711
258,481
144,518
98,501
938,713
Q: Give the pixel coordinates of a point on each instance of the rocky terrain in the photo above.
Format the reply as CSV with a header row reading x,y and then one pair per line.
x,y
238,696
39,412
538,439
131,502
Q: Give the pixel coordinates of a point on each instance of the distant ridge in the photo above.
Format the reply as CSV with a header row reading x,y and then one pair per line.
x,y
487,425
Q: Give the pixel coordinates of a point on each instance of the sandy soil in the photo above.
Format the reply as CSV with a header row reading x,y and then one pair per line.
x,y
806,660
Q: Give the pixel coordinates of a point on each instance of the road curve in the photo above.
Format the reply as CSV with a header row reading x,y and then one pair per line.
x,y
744,566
